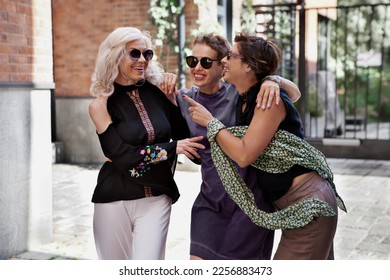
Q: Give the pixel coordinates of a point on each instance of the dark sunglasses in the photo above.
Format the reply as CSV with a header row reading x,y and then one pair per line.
x,y
135,54
205,62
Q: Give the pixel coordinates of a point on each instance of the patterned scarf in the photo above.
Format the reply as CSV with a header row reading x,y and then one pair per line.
x,y
284,151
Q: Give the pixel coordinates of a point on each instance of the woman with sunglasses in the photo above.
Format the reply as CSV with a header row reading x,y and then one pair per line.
x,y
292,174
139,131
219,228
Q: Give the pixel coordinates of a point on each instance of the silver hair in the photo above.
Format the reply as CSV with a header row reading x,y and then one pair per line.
x,y
111,52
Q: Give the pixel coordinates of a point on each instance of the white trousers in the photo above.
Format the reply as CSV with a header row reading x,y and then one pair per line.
x,y
132,229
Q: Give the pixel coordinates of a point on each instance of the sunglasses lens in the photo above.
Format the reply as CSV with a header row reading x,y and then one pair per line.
x,y
148,55
135,54
192,61
206,62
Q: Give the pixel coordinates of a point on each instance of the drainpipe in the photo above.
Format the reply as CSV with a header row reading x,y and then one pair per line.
x,y
181,39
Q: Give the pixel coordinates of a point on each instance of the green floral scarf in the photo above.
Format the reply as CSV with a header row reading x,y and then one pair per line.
x,y
284,151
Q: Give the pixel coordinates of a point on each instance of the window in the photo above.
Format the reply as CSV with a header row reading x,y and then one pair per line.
x,y
224,15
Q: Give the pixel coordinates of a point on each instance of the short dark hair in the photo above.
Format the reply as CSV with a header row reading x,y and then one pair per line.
x,y
263,56
215,42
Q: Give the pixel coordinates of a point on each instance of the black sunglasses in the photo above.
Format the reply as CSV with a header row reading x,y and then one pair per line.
x,y
135,54
205,62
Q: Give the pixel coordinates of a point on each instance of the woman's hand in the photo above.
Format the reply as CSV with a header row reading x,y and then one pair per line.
x,y
268,91
189,147
168,86
198,112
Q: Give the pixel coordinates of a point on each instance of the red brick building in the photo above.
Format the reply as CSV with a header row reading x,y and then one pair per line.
x,y
78,29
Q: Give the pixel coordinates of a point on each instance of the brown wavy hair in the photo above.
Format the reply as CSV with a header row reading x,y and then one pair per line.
x,y
263,56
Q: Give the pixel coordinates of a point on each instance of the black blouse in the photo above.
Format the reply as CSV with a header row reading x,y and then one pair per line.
x,y
140,145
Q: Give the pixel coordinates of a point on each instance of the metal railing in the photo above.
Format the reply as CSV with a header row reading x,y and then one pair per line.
x,y
346,88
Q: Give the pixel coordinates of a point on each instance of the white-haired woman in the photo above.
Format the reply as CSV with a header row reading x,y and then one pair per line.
x,y
139,130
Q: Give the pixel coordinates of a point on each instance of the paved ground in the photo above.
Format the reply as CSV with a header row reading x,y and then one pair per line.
x,y
363,233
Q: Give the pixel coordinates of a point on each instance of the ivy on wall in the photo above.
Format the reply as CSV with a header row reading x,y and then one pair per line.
x,y
164,14
247,17
206,24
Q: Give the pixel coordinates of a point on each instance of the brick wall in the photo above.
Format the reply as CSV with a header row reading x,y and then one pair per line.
x,y
79,27
25,41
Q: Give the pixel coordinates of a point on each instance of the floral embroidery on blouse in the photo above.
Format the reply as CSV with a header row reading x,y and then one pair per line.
x,y
152,154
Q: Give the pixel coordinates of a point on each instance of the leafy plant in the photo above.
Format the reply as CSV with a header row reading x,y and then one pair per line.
x,y
165,14
205,26
248,17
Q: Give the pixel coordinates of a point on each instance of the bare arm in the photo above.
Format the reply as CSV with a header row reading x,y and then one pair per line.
x,y
259,134
99,114
270,89
292,89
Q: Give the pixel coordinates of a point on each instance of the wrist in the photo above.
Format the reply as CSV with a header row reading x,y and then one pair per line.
x,y
274,78
213,127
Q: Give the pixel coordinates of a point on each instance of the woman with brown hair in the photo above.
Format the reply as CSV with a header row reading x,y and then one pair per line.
x,y
292,174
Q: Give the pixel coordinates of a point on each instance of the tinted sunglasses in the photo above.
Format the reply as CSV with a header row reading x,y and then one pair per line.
x,y
135,54
205,62
232,54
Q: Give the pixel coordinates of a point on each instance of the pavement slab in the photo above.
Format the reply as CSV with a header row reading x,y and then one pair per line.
x,y
363,233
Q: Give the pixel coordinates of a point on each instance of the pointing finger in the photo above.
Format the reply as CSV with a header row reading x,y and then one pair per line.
x,y
190,100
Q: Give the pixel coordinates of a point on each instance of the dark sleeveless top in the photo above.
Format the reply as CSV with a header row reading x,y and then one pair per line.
x,y
273,186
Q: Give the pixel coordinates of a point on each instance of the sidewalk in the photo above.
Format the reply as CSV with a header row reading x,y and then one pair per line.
x,y
363,233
